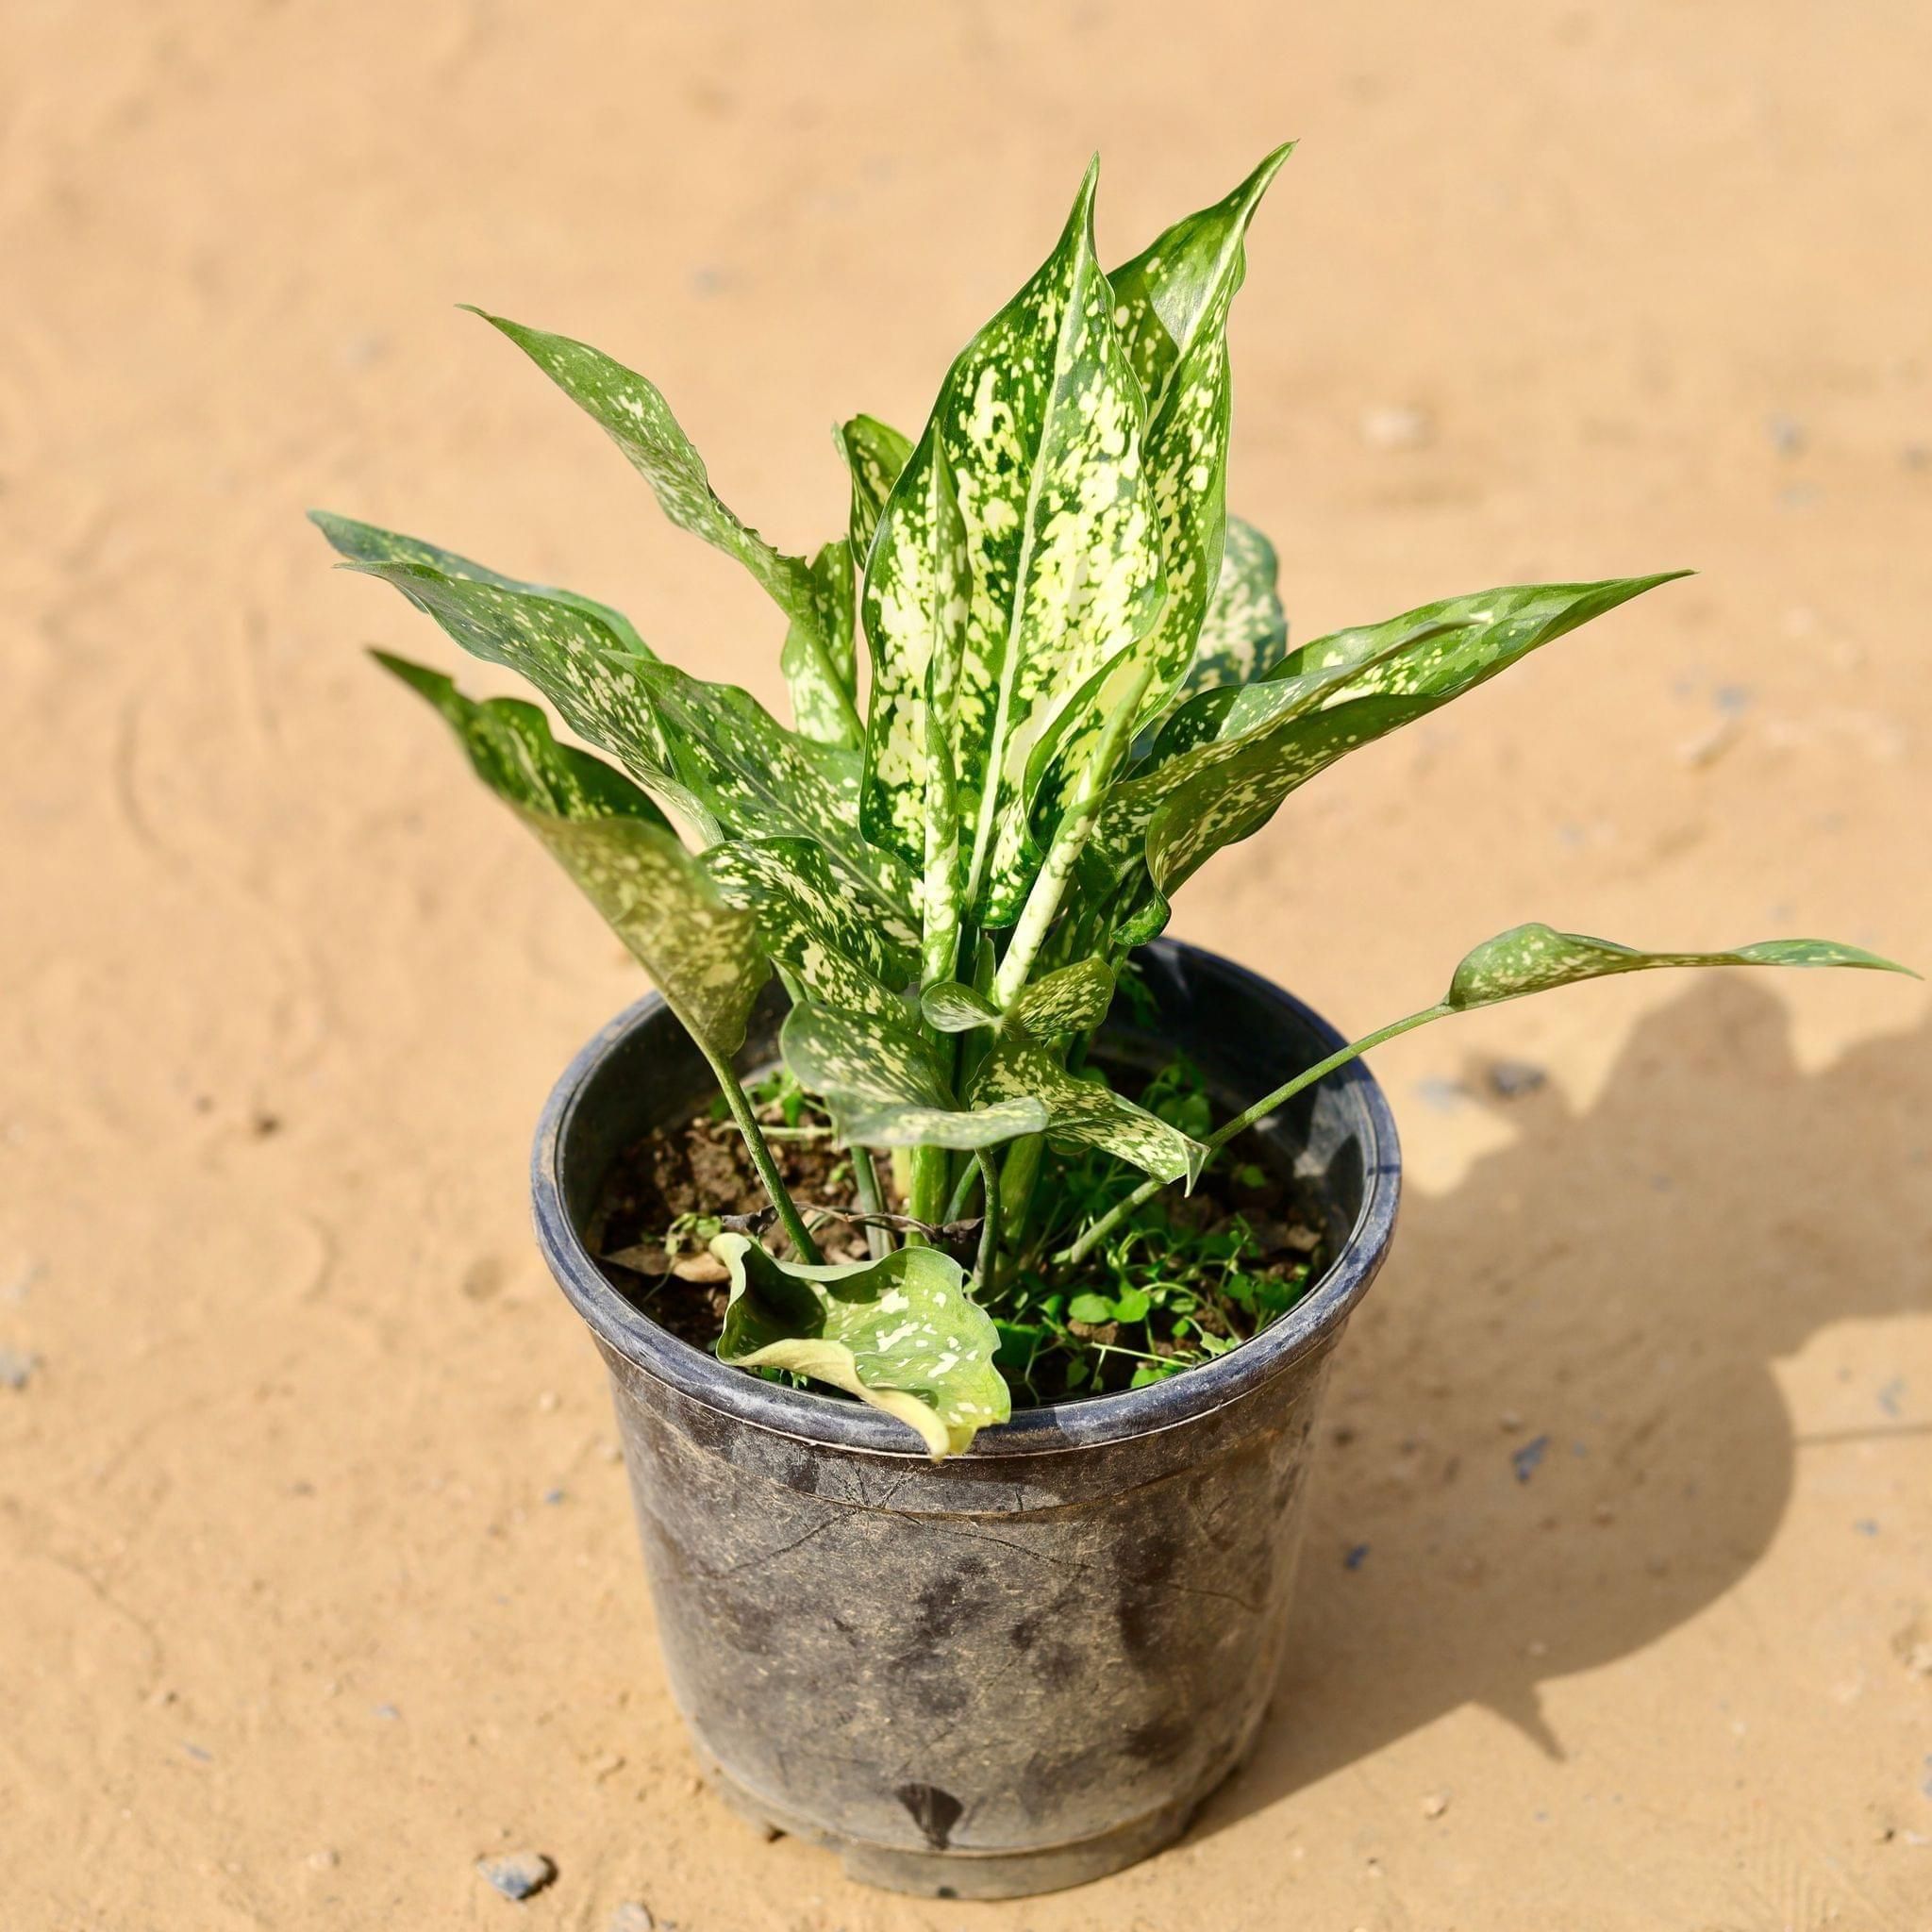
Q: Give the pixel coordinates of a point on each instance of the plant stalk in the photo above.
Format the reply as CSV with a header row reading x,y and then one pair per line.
x,y
872,1197
988,1266
1069,841
1243,1121
736,1099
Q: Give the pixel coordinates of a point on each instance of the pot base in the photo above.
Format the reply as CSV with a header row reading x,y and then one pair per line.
x,y
969,1875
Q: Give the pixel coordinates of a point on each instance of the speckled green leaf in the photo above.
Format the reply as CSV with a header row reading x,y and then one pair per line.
x,y
1083,1112
848,947
885,1091
1374,681
579,654
1171,308
819,658
955,1008
1535,958
818,652
875,455
1244,630
1068,1000
1037,431
901,1333
615,843
761,780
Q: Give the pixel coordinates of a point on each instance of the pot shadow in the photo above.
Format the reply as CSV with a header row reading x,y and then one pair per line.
x,y
1578,1339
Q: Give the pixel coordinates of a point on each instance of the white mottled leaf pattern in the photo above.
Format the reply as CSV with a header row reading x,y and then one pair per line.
x,y
1390,675
901,1333
850,949
1085,1113
614,842
875,457
1535,957
572,648
632,412
884,1091
1244,629
760,779
1038,433
1170,308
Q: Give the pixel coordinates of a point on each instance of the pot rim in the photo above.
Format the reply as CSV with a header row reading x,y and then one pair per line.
x,y
1079,1423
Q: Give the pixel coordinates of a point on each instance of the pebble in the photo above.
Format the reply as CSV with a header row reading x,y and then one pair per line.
x,y
324,1860
1526,1458
1787,435
632,1917
517,1875
17,1368
1356,1557
1512,1079
1435,1804
1396,426
546,1402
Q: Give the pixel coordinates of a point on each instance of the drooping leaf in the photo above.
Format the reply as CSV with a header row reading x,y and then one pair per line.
x,y
876,454
1084,1111
1244,630
1036,430
1535,958
579,654
850,949
615,843
884,1090
901,1333
635,415
1230,783
1172,304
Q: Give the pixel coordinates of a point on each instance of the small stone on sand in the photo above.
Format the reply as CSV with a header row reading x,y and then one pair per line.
x,y
632,1917
517,1875
1435,1804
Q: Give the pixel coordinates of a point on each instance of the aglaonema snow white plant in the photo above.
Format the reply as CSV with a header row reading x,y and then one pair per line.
x,y
1078,688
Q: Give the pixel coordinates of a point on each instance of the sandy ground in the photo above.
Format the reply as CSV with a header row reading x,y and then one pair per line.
x,y
316,1574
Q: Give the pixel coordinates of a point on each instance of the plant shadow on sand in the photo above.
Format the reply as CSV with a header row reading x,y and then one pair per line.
x,y
1580,1336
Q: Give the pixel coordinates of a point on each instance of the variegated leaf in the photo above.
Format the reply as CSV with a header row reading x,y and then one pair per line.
x,y
901,1333
818,654
1535,958
885,1091
758,778
876,454
1036,430
579,654
849,948
1388,676
953,1007
1244,629
1085,1113
614,842
1172,304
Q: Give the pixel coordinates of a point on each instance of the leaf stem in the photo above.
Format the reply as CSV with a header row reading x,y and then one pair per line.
x,y
987,1264
872,1197
1246,1119
962,1194
739,1103
1070,838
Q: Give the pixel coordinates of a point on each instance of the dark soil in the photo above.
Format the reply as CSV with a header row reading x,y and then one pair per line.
x,y
660,1199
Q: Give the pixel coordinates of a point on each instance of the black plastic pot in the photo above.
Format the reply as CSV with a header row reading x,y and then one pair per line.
x,y
1026,1666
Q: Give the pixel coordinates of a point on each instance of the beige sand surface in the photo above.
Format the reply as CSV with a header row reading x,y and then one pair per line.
x,y
288,1632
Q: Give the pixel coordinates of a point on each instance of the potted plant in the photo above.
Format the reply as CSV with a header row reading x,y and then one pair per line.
x,y
1076,1214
